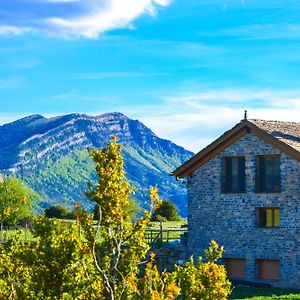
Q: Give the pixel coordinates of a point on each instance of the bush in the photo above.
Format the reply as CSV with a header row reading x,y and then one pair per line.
x,y
75,260
205,280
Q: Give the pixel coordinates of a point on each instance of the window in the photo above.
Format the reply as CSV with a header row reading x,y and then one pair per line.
x,y
233,175
269,217
268,174
268,269
236,268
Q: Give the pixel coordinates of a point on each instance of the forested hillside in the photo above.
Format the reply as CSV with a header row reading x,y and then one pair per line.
x,y
51,156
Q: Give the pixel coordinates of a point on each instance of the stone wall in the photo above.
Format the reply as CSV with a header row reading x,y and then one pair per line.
x,y
169,255
231,219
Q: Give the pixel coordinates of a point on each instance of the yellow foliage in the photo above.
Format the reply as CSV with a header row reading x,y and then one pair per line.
x,y
7,211
79,261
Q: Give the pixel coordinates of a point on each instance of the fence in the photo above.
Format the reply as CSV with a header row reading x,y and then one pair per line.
x,y
153,235
164,235
7,232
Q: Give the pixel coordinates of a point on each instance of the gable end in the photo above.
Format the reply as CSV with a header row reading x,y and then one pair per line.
x,y
227,139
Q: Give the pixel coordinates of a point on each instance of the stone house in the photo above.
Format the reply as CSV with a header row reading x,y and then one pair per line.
x,y
244,192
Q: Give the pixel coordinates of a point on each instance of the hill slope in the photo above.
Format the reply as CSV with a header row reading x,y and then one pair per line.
x,y
51,156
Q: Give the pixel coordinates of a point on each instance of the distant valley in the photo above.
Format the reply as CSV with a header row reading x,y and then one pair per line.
x,y
51,156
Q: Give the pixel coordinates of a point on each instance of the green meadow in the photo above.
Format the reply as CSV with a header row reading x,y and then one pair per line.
x,y
258,293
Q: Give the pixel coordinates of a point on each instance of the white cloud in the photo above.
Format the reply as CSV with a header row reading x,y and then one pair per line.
x,y
193,120
116,14
263,32
243,98
13,30
162,2
82,18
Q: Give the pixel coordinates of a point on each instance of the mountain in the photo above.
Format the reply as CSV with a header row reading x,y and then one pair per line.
x,y
51,156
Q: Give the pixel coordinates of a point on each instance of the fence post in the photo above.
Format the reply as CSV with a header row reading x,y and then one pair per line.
x,y
161,230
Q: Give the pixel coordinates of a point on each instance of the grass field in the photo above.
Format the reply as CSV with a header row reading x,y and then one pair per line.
x,y
171,231
255,293
168,224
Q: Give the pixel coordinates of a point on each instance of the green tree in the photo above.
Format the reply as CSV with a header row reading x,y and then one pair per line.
x,y
15,200
56,211
167,211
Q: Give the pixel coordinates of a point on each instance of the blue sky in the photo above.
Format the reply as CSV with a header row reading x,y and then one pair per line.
x,y
186,68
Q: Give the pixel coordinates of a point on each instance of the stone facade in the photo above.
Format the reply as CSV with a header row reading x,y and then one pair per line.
x,y
231,219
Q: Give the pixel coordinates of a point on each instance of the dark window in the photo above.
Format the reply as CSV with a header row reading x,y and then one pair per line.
x,y
268,174
268,269
233,175
269,217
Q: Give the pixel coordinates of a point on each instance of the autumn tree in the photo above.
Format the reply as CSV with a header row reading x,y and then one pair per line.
x,y
122,247
58,265
123,244
78,261
132,209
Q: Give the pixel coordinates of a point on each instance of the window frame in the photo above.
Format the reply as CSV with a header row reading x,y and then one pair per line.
x,y
224,181
259,178
260,216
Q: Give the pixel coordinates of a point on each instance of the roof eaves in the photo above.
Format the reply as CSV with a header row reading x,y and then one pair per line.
x,y
192,164
225,140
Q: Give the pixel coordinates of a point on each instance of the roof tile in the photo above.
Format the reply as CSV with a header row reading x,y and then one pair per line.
x,y
287,132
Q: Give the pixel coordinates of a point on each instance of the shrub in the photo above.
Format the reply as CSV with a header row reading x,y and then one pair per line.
x,y
75,260
205,280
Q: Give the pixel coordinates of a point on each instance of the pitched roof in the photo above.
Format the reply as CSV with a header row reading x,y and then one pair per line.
x,y
287,132
283,135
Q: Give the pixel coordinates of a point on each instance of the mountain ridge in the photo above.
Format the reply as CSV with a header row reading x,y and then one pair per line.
x,y
36,149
